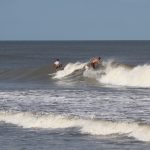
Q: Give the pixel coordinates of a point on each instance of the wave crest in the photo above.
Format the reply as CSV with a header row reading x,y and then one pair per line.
x,y
69,69
111,73
87,126
137,76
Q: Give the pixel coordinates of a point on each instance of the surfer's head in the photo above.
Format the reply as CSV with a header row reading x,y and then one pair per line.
x,y
99,58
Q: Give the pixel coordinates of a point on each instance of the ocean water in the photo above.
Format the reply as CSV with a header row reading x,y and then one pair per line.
x,y
75,108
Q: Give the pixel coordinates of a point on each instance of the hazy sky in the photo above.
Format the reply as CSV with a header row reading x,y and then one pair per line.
x,y
74,19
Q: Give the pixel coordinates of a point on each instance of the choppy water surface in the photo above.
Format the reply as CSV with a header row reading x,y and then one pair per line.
x,y
75,108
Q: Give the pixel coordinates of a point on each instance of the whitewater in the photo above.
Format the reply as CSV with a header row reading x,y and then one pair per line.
x,y
91,126
112,73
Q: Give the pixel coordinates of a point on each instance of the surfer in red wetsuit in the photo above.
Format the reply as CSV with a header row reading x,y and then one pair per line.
x,y
95,61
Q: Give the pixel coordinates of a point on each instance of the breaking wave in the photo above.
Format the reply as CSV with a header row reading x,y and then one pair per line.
x,y
69,69
137,76
111,73
86,126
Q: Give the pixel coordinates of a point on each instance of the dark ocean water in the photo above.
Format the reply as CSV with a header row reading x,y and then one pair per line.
x,y
75,108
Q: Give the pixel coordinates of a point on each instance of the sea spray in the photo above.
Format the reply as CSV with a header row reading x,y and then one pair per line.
x,y
137,76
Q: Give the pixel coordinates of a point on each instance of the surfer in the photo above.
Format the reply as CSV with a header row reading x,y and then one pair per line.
x,y
57,65
94,62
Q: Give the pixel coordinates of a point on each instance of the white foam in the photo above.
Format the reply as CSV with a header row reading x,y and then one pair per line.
x,y
137,76
94,74
69,68
90,126
120,74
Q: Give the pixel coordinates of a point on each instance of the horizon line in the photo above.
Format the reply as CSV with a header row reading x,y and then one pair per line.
x,y
64,40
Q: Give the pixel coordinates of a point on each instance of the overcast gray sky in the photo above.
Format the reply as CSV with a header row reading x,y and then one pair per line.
x,y
74,19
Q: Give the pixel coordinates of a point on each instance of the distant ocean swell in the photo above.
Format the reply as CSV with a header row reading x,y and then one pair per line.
x,y
25,74
111,74
86,126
